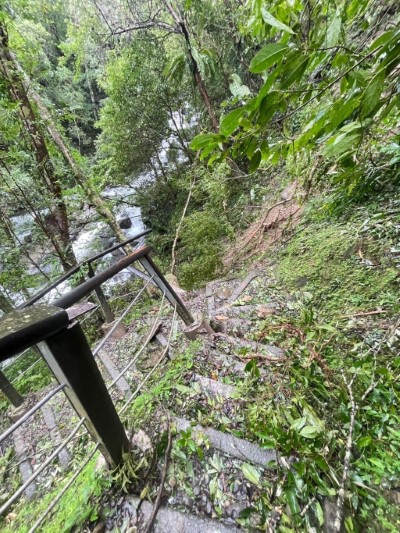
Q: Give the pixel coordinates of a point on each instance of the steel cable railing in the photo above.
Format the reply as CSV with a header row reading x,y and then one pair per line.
x,y
42,467
145,343
57,499
147,377
31,412
72,434
48,510
114,327
27,370
154,276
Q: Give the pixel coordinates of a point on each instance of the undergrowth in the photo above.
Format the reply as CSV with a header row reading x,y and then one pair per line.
x,y
77,506
331,410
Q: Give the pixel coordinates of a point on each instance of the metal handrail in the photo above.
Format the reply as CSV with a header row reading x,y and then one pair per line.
x,y
36,297
90,284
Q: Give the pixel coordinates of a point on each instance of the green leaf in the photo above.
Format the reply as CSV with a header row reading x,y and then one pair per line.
x,y
341,111
231,121
267,57
267,85
295,70
341,144
309,432
268,107
252,368
251,473
333,31
204,139
364,441
348,524
372,93
319,512
292,501
255,161
237,88
184,389
272,21
382,40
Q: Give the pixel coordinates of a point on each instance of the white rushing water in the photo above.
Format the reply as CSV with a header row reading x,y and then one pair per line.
x,y
92,236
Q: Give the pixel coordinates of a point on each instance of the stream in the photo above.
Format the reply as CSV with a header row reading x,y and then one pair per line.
x,y
91,236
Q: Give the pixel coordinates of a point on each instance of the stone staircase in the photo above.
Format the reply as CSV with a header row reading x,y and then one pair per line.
x,y
227,480
216,488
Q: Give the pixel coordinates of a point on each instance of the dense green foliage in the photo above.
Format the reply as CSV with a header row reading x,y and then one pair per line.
x,y
206,110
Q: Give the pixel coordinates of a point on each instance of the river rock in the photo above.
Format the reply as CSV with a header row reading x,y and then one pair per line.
x,y
125,223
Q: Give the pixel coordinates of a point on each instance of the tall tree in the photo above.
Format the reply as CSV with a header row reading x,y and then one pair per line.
x,y
60,233
168,19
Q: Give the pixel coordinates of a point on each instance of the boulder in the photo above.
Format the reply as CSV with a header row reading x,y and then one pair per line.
x,y
125,223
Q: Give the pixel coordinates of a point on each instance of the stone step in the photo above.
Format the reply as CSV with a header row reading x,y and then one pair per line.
x,y
170,520
239,448
214,387
243,286
24,464
253,346
64,456
121,384
261,310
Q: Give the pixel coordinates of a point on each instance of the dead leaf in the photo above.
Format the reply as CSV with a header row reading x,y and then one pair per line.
x,y
264,312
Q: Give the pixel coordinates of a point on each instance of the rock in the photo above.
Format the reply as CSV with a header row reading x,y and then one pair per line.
x,y
224,294
100,527
117,253
125,223
208,507
173,281
394,496
301,281
187,501
234,509
15,413
290,191
329,507
119,331
101,465
142,441
107,242
28,238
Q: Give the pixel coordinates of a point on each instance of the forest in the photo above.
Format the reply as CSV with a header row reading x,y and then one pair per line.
x,y
258,140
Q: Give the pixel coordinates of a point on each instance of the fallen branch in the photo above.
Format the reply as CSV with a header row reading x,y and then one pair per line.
x,y
178,229
347,456
150,523
272,359
367,313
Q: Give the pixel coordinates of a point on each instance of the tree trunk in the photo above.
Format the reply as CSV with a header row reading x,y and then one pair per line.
x,y
18,93
194,67
5,304
101,207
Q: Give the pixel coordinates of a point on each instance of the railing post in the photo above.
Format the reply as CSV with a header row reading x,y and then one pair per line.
x,y
10,391
69,356
105,306
158,278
